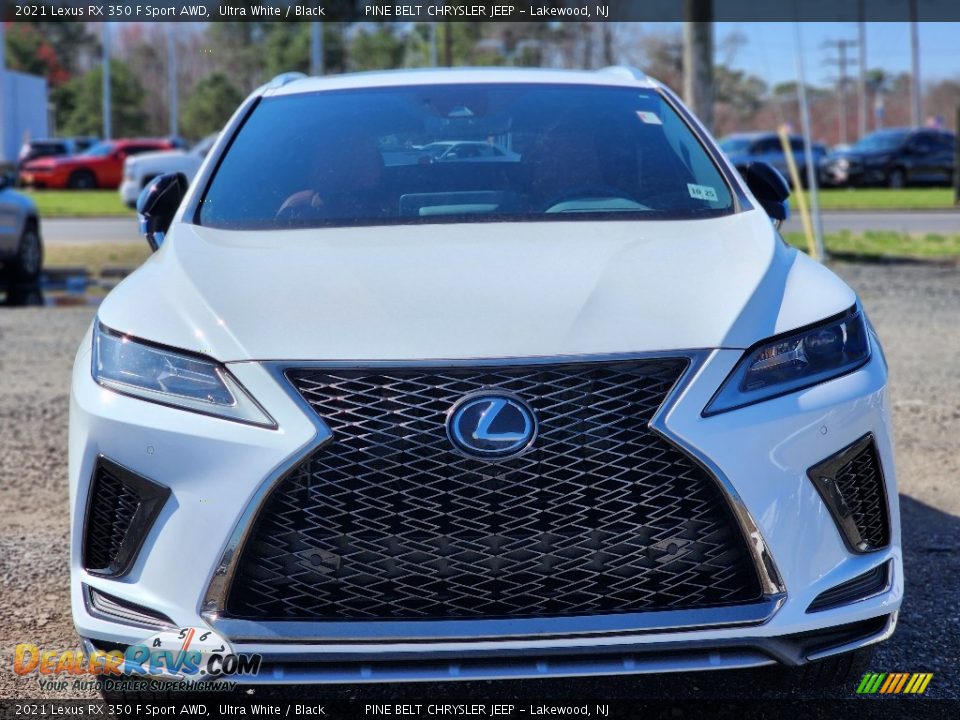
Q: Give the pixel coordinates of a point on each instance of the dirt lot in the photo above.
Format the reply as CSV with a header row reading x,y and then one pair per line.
x,y
916,309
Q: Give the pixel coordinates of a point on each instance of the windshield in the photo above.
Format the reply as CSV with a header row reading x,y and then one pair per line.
x,y
887,140
99,150
462,153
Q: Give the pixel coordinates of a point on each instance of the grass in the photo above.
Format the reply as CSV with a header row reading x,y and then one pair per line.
x,y
885,244
95,257
79,203
885,199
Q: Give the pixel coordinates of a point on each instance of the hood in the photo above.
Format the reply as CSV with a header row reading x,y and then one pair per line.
x,y
473,290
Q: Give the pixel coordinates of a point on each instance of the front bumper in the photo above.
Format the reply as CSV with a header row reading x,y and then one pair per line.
x,y
37,178
217,470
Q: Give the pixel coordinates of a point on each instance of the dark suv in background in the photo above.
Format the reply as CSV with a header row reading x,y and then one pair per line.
x,y
896,158
744,148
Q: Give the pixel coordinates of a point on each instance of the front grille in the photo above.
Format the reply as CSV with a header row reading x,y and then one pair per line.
x,y
851,485
121,508
387,521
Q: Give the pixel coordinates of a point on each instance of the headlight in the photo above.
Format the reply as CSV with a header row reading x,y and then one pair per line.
x,y
180,380
792,362
843,163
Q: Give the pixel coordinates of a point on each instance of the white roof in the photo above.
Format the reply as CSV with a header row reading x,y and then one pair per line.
x,y
614,76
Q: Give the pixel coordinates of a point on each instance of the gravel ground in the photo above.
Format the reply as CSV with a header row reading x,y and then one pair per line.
x,y
915,307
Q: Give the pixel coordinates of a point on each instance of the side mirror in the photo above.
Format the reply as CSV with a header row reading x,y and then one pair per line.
x,y
769,188
157,205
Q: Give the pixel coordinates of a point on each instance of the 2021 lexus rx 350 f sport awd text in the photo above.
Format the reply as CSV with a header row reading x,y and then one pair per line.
x,y
372,416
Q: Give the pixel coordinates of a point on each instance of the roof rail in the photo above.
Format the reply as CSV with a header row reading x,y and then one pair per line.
x,y
285,78
627,72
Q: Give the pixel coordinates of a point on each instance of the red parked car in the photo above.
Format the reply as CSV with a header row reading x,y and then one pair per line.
x,y
99,167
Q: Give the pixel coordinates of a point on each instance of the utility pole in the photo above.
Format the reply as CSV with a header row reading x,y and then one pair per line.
x,y
861,73
842,60
916,112
172,80
316,48
698,59
107,125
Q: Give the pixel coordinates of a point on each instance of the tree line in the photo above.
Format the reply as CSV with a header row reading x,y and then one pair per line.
x,y
219,63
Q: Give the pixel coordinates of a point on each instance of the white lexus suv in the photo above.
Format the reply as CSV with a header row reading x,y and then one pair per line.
x,y
369,416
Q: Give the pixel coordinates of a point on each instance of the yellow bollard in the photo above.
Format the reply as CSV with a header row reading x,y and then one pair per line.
x,y
798,191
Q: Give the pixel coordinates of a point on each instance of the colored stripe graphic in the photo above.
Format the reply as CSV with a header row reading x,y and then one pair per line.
x,y
891,680
894,683
903,680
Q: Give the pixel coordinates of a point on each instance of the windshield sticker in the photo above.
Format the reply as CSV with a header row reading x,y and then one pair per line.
x,y
702,192
649,118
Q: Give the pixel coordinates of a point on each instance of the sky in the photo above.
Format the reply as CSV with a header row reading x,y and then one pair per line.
x,y
769,50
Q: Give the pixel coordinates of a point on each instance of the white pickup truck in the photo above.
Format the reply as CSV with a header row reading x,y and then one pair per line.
x,y
138,170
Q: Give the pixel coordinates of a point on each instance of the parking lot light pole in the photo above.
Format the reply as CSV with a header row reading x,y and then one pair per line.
x,y
107,129
172,79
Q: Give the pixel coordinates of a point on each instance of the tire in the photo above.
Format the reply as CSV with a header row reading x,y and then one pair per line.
x,y
26,265
835,670
82,180
897,178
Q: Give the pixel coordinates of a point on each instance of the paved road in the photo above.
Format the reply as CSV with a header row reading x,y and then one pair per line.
x,y
942,223
78,231
71,231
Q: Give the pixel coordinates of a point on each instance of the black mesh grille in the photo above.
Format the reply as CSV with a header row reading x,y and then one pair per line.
x,y
386,521
860,484
113,505
121,508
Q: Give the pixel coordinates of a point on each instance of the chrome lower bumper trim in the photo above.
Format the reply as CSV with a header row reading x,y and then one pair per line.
x,y
528,629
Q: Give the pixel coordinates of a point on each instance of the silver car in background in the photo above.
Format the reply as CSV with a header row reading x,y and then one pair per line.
x,y
21,249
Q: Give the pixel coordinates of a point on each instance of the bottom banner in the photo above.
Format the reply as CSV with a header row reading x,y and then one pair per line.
x,y
211,707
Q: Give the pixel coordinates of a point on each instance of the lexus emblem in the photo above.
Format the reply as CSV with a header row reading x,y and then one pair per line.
x,y
491,425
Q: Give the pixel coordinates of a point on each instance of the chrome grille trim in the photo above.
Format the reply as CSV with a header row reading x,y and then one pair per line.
x,y
214,601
